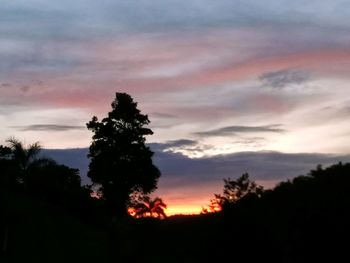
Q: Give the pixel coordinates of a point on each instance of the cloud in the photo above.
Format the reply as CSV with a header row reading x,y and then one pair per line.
x,y
114,16
186,179
87,79
48,127
25,88
232,130
255,142
162,115
5,85
197,60
176,167
191,147
174,144
74,158
283,78
261,165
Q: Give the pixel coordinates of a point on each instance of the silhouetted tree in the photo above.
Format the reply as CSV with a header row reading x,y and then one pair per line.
x,y
120,161
52,179
23,158
234,191
215,204
4,152
150,207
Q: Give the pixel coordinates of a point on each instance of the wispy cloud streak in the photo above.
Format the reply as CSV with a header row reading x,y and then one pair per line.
x,y
232,130
48,127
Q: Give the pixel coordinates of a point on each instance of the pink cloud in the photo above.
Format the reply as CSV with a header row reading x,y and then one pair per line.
x,y
187,62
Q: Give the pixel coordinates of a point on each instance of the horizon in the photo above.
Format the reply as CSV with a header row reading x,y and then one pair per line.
x,y
229,87
187,184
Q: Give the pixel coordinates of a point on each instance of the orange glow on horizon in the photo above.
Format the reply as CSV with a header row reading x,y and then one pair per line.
x,y
183,210
175,210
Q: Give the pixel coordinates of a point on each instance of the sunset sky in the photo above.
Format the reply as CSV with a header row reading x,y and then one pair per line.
x,y
229,86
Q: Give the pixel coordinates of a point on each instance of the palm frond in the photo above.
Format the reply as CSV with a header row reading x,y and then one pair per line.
x,y
33,151
149,207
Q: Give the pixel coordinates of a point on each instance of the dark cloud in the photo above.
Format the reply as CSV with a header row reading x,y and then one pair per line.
x,y
25,88
173,144
232,130
179,170
5,85
179,143
262,166
75,158
283,78
48,127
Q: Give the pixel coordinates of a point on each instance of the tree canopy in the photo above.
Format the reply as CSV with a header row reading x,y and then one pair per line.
x,y
121,163
234,191
23,166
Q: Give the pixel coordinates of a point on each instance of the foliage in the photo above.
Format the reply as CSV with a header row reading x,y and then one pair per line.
x,y
23,169
23,158
149,208
5,152
52,179
120,161
234,191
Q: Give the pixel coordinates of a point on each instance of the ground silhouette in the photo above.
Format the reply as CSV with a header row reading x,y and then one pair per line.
x,y
305,219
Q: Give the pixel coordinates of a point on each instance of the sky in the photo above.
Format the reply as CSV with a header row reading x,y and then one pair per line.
x,y
229,86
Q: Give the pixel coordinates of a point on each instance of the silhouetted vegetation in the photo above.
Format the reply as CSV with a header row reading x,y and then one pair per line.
x,y
148,207
234,191
121,163
302,220
26,176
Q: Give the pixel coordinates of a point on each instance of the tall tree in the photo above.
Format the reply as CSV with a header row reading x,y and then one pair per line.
x,y
121,163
